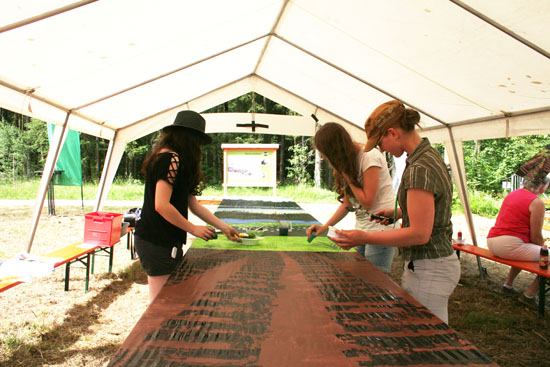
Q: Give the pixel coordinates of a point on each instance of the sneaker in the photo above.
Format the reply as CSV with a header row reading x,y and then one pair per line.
x,y
531,302
509,289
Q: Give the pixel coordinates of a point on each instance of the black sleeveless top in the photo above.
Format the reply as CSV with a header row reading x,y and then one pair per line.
x,y
152,226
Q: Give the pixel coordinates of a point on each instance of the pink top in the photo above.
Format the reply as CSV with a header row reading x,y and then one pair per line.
x,y
514,217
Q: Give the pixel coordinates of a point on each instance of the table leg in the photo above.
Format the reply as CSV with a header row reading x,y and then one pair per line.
x,y
111,251
67,274
88,271
542,295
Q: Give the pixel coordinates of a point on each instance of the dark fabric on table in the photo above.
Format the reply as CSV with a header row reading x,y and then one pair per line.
x,y
252,308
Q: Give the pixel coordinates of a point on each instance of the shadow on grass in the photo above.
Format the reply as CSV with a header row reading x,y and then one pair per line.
x,y
499,324
54,344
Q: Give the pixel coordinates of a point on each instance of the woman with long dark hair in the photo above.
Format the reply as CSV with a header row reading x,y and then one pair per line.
x,y
173,180
363,183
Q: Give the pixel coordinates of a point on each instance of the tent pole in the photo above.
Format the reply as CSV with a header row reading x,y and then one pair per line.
x,y
58,139
112,160
82,195
457,166
46,15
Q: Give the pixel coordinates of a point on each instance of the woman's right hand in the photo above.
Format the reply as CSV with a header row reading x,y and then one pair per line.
x,y
317,229
386,212
204,232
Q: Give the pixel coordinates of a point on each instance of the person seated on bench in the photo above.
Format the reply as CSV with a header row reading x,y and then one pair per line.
x,y
517,233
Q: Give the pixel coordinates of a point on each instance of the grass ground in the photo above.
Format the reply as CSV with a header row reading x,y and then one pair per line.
x,y
41,325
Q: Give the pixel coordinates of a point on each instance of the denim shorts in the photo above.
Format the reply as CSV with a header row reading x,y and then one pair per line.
x,y
157,260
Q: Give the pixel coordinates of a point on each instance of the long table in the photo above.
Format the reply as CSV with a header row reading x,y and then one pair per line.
x,y
273,308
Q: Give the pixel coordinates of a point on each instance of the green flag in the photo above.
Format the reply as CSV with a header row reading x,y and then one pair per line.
x,y
69,161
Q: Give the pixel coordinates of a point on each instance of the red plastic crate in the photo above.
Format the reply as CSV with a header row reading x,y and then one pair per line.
x,y
102,228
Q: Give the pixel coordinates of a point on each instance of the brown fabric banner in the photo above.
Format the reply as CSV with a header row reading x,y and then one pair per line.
x,y
252,308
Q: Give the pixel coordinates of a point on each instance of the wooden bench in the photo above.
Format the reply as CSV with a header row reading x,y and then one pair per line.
x,y
532,267
72,254
6,284
69,255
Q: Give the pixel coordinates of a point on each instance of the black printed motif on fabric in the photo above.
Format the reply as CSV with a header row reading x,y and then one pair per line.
x,y
380,327
226,323
240,303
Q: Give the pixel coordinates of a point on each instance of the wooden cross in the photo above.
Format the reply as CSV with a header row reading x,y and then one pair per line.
x,y
253,125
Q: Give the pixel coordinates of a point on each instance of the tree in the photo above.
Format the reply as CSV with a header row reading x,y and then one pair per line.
x,y
10,158
300,163
489,162
35,140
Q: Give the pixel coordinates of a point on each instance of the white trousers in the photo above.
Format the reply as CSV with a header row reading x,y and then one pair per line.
x,y
513,248
431,282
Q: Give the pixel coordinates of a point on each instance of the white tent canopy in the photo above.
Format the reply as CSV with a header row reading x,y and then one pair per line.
x,y
122,69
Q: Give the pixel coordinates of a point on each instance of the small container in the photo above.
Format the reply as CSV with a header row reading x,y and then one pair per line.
x,y
332,232
250,241
284,227
544,257
459,238
101,228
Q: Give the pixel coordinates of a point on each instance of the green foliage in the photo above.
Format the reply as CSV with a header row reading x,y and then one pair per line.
x,y
489,162
9,157
93,150
298,193
22,151
134,155
302,158
245,103
133,190
307,194
35,139
482,203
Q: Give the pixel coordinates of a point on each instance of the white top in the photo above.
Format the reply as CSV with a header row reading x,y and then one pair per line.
x,y
385,197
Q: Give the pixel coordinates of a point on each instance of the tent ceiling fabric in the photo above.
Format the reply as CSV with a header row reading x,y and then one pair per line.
x,y
126,67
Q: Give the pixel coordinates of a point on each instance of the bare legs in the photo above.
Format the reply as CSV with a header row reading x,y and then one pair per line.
x,y
533,288
529,292
512,274
155,285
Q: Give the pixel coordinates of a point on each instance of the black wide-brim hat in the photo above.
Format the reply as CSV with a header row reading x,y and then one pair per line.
x,y
191,120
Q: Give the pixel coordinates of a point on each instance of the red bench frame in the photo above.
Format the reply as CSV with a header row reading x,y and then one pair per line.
x,y
532,267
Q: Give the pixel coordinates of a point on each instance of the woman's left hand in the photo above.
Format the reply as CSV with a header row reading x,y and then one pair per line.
x,y
348,239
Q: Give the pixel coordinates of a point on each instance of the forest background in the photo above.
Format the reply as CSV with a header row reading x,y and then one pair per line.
x,y
24,147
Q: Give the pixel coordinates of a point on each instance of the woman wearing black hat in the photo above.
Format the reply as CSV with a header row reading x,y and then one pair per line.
x,y
173,179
